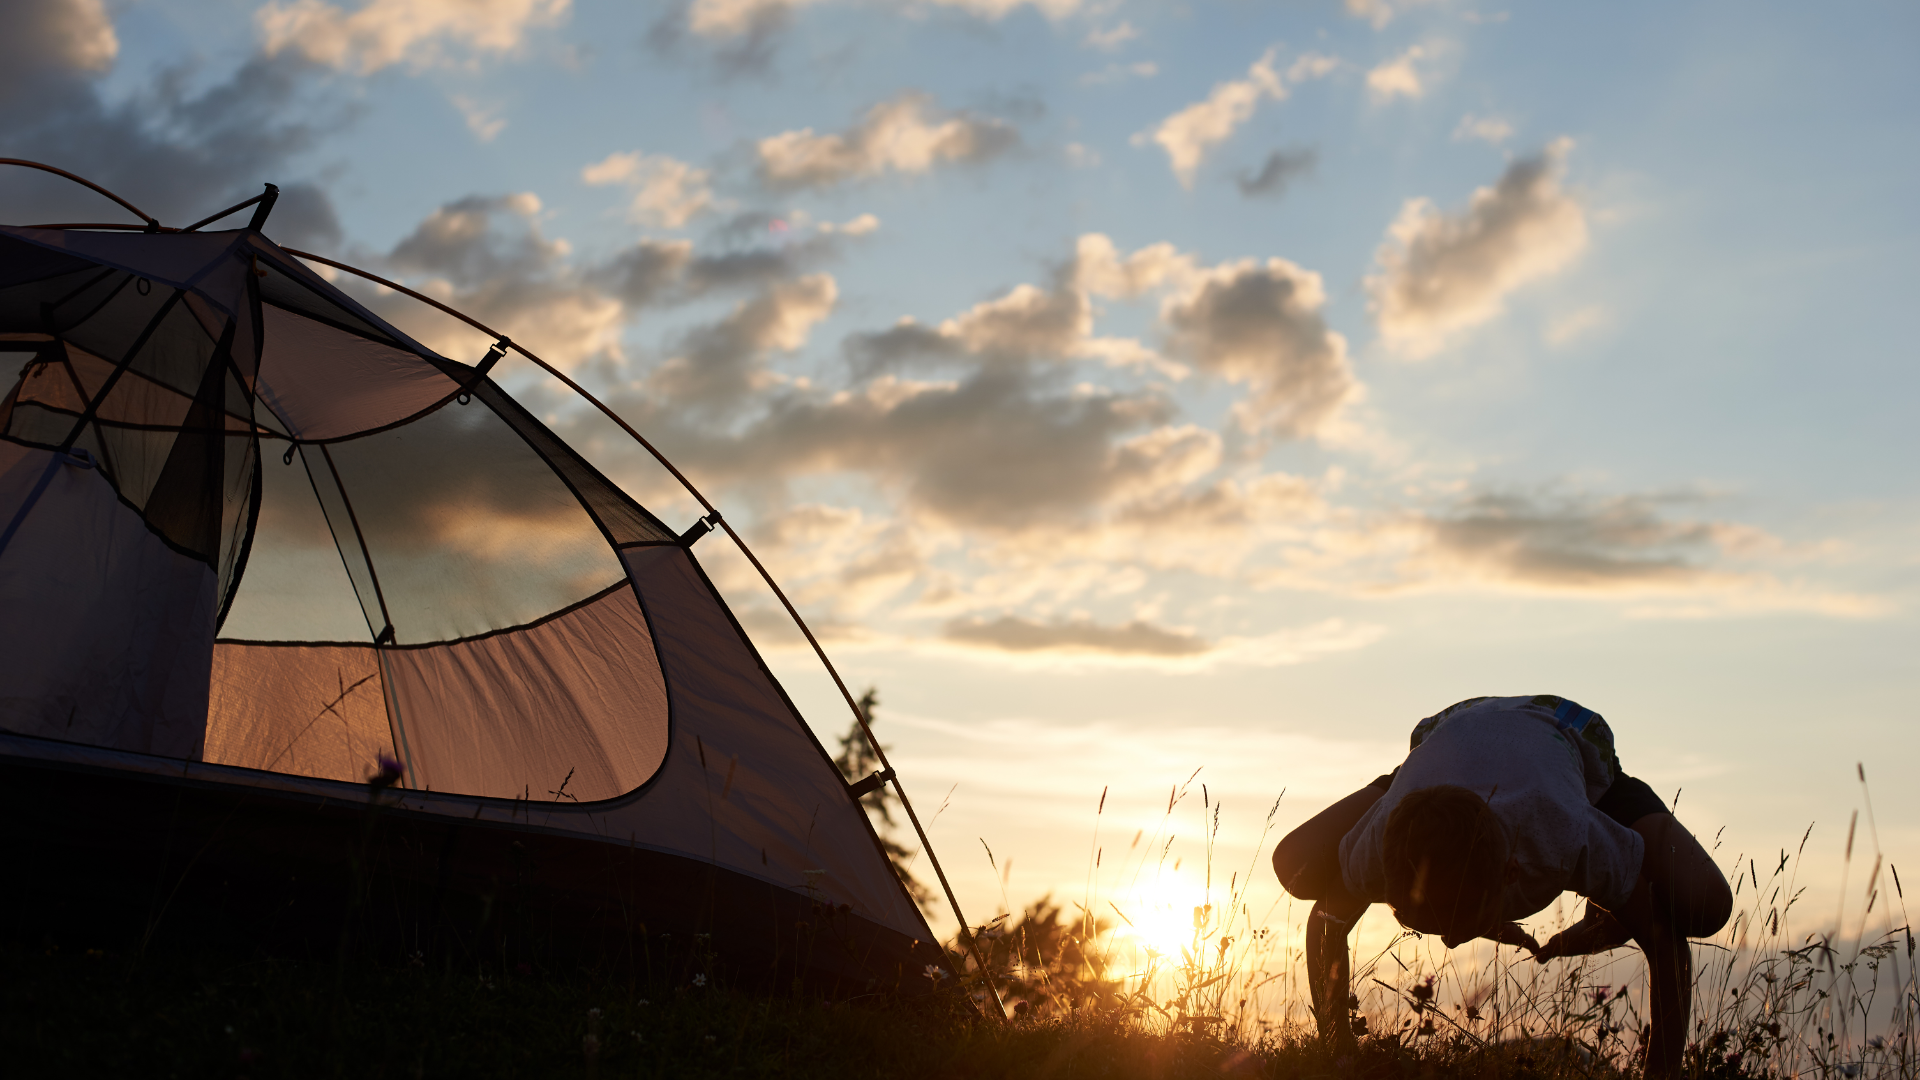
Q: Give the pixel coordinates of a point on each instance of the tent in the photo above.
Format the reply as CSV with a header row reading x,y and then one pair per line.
x,y
255,542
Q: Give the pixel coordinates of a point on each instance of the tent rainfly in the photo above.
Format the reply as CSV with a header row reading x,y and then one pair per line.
x,y
255,540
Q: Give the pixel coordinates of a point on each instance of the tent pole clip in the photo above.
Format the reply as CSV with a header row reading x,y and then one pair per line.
x,y
870,785
293,447
481,369
699,529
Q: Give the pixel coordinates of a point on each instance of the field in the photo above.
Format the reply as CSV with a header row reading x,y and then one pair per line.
x,y
1767,1004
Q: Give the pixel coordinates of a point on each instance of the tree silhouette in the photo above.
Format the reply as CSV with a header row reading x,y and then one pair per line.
x,y
857,760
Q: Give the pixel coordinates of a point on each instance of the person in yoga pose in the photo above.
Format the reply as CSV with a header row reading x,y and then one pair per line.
x,y
1501,804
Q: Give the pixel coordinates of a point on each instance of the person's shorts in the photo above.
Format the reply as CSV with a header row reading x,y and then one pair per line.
x,y
1627,799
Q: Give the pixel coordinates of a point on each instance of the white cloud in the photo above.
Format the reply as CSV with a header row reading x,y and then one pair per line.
x,y
1113,73
1311,66
1572,326
738,18
1489,129
856,226
1441,273
1380,12
382,33
1113,37
667,192
1082,156
1187,135
482,120
1397,77
904,135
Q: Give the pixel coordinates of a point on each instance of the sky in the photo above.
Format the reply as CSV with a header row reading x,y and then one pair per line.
x,y
1128,389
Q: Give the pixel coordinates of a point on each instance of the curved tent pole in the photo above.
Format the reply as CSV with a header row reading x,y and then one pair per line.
x,y
713,515
153,223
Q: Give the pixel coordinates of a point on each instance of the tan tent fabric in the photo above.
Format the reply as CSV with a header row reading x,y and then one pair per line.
x,y
323,383
311,710
513,714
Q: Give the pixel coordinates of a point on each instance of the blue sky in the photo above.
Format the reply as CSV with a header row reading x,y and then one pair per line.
x,y
1565,349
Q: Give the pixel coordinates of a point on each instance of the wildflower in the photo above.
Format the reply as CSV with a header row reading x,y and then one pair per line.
x,y
637,1037
1473,1012
934,973
1600,995
700,980
1423,990
643,1003
388,771
593,1014
590,1047
710,1039
1426,1027
1850,1070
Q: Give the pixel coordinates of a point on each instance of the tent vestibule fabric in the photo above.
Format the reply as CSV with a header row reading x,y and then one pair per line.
x,y
254,539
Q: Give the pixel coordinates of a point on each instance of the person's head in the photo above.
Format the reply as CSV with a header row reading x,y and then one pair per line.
x,y
1446,858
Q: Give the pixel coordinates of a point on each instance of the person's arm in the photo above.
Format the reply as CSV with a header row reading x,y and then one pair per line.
x,y
1329,965
1307,863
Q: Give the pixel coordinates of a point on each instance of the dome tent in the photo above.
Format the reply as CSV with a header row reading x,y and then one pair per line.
x,y
254,540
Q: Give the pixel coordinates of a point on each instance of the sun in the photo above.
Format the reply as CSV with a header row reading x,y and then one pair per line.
x,y
1164,917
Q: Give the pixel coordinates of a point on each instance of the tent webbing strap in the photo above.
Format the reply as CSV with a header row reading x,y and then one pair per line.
x,y
966,933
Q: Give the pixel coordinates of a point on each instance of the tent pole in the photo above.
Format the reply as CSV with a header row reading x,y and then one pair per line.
x,y
153,223
966,933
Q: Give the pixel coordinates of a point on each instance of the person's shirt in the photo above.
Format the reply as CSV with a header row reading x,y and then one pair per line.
x,y
1541,778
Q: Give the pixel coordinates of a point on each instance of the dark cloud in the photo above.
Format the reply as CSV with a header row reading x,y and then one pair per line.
x,y
1261,325
177,152
1579,543
1011,633
1275,175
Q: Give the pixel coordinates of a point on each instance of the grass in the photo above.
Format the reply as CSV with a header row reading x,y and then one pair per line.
x,y
1770,1001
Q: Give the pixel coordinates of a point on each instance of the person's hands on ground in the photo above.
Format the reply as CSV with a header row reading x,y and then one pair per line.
x,y
1596,932
1512,934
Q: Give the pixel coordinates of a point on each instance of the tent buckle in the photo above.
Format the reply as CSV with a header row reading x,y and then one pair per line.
x,y
870,785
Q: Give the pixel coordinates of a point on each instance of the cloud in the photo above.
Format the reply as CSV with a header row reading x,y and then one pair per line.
x,y
1261,325
722,363
1277,173
904,135
667,193
1441,273
1380,12
1012,633
1311,66
1397,77
1113,73
1572,326
483,120
487,256
176,150
1080,641
1113,37
1187,135
382,33
1490,129
736,18
59,37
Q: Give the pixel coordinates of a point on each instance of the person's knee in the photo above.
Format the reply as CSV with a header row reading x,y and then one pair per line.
x,y
1689,885
1301,867
1711,906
